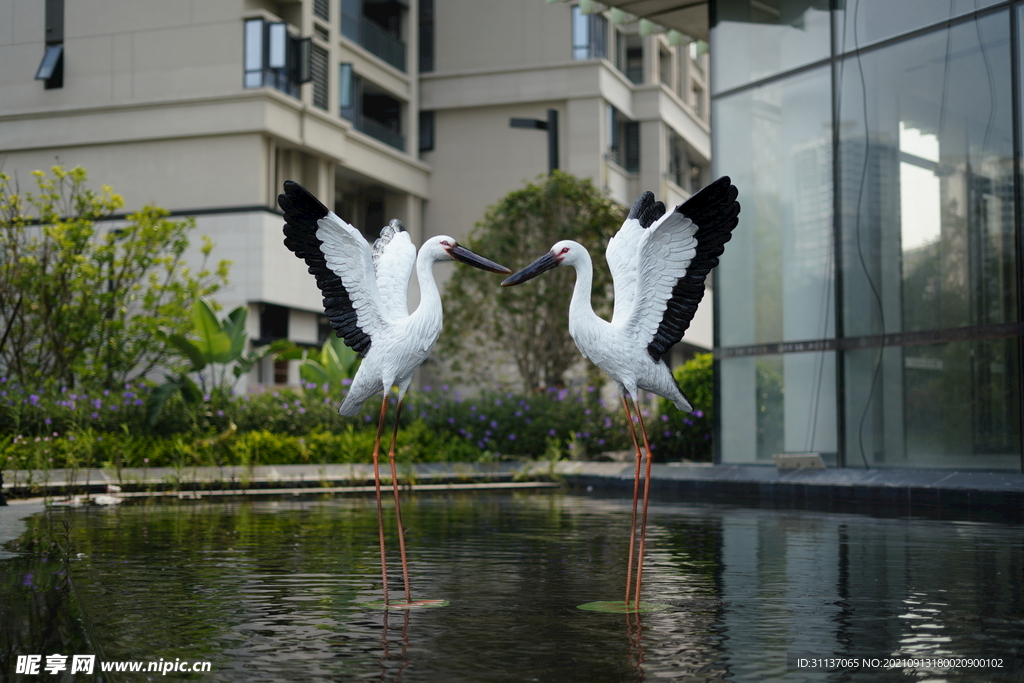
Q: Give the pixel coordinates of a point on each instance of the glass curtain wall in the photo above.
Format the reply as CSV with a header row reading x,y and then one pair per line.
x,y
877,180
776,280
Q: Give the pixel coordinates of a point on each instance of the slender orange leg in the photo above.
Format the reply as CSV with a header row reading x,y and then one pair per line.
x,y
380,508
398,505
636,491
647,491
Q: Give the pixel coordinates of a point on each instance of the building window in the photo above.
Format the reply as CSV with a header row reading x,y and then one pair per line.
x,y
273,322
426,131
318,69
280,372
629,56
348,92
682,171
623,140
380,117
665,68
426,36
371,110
589,35
377,27
322,9
698,100
51,69
275,58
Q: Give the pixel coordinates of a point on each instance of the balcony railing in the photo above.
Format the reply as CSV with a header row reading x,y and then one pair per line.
x,y
379,131
383,44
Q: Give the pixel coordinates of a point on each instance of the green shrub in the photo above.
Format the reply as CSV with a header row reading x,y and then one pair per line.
x,y
676,435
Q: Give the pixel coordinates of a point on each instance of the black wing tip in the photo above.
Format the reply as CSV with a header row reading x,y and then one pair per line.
x,y
646,210
297,199
716,212
720,193
643,201
652,214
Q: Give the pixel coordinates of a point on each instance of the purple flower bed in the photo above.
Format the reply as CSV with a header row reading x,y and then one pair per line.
x,y
572,423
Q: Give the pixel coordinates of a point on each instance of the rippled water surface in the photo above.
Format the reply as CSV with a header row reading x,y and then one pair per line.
x,y
276,591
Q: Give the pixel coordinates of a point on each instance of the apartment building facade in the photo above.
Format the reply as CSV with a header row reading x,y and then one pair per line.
x,y
383,108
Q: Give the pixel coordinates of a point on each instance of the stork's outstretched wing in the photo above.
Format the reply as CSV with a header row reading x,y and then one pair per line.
x,y
394,257
622,250
674,258
340,259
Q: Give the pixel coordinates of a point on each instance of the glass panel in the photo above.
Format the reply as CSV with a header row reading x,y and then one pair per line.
x,y
346,91
49,63
862,22
278,44
926,188
253,46
778,404
775,281
351,14
943,405
753,39
613,128
598,36
580,34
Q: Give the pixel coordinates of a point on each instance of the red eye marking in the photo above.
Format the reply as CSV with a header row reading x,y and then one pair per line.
x,y
565,250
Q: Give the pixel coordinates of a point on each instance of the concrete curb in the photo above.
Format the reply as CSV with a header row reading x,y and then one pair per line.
x,y
982,496
996,496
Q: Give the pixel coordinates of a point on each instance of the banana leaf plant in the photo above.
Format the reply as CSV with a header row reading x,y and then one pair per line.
x,y
214,345
328,367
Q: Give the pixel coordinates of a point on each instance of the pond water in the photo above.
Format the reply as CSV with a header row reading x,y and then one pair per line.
x,y
276,591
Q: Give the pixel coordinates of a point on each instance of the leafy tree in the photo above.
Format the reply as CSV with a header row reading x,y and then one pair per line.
x,y
529,323
82,301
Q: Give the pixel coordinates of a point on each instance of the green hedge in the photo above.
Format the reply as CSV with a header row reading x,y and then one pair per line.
x,y
61,427
416,443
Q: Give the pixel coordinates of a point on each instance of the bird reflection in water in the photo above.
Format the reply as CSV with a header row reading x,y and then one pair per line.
x,y
388,658
635,654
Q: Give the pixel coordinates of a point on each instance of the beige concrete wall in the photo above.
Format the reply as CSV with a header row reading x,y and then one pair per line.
x,y
482,159
482,34
162,172
120,51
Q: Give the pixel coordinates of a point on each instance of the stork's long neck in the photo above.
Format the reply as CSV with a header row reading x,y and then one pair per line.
x,y
581,312
428,313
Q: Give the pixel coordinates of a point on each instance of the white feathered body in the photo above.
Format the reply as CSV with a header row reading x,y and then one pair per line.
x,y
405,344
365,290
615,346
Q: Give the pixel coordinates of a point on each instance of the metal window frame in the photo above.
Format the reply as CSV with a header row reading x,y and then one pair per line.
x,y
51,60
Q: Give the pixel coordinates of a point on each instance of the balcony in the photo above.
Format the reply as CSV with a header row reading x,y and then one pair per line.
x,y
379,131
381,43
371,34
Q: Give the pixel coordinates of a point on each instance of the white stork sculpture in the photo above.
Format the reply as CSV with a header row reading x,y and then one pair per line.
x,y
658,263
365,299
